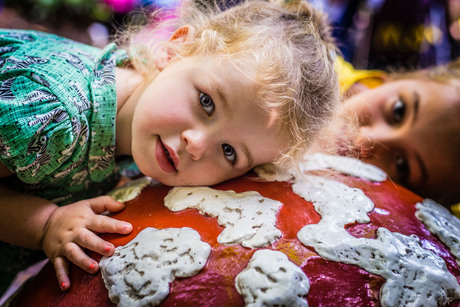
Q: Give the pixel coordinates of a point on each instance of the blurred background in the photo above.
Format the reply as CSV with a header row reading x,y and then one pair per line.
x,y
87,21
395,33
371,34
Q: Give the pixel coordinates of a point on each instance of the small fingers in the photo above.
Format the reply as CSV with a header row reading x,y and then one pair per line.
x,y
76,255
61,266
105,203
105,224
91,241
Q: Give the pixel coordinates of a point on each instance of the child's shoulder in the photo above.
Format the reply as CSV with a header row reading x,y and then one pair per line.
x,y
29,36
50,91
28,42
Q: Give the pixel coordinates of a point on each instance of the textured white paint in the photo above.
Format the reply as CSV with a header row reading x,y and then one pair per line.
x,y
249,219
130,190
414,276
344,165
270,279
139,273
442,223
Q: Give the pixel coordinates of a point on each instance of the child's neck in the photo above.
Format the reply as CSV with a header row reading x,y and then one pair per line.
x,y
127,80
128,85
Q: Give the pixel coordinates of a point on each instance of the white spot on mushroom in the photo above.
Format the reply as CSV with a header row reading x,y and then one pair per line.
x,y
249,219
270,279
442,223
139,273
409,269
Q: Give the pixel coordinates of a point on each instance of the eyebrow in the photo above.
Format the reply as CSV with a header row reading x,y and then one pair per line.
x,y
217,87
221,94
416,106
248,156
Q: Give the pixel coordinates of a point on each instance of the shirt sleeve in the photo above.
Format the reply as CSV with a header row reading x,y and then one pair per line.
x,y
35,128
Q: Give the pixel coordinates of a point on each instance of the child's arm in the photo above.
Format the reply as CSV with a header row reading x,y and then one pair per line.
x,y
62,232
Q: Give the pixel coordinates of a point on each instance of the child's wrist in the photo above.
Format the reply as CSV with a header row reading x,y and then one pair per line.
x,y
50,211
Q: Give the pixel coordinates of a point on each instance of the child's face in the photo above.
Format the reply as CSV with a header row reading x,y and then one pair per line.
x,y
198,123
396,124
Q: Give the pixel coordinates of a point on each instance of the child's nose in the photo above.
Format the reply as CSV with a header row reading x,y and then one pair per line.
x,y
383,142
195,143
374,142
365,118
360,112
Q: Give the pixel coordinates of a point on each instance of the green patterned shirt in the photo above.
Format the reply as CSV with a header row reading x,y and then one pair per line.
x,y
57,115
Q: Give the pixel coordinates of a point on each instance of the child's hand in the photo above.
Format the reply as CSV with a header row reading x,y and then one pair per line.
x,y
72,228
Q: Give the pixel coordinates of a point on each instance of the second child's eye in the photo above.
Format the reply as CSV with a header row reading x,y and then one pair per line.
x,y
206,103
398,110
229,153
402,169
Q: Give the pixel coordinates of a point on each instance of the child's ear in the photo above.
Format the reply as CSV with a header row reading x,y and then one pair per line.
x,y
164,54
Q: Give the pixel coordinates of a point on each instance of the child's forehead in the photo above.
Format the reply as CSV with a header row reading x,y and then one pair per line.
x,y
227,75
235,63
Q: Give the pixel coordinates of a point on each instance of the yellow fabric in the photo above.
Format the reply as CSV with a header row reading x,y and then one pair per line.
x,y
456,210
348,76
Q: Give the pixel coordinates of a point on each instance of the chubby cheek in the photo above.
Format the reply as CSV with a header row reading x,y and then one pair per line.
x,y
143,115
161,107
208,175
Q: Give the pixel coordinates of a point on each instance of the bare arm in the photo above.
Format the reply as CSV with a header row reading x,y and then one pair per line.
x,y
23,216
4,171
62,232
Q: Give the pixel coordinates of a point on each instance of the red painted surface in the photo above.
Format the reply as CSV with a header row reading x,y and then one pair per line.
x,y
331,283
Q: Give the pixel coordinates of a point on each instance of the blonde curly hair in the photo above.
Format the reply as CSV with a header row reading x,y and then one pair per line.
x,y
286,45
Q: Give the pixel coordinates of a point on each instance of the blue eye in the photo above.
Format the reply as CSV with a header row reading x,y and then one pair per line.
x,y
207,103
229,153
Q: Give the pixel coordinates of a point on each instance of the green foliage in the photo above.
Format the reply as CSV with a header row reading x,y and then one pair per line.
x,y
57,12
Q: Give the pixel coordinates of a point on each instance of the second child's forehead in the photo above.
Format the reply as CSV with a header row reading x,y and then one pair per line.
x,y
434,95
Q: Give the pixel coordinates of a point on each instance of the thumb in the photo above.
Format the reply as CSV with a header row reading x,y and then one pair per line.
x,y
105,203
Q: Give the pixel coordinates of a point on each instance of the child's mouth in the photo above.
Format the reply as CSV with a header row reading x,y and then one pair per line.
x,y
168,156
164,158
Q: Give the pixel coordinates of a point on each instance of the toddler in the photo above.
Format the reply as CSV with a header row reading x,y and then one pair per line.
x,y
228,91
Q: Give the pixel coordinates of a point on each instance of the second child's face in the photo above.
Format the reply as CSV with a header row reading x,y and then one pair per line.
x,y
396,133
198,123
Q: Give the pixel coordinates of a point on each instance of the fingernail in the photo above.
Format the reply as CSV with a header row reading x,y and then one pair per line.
x,y
107,249
63,285
92,266
127,227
